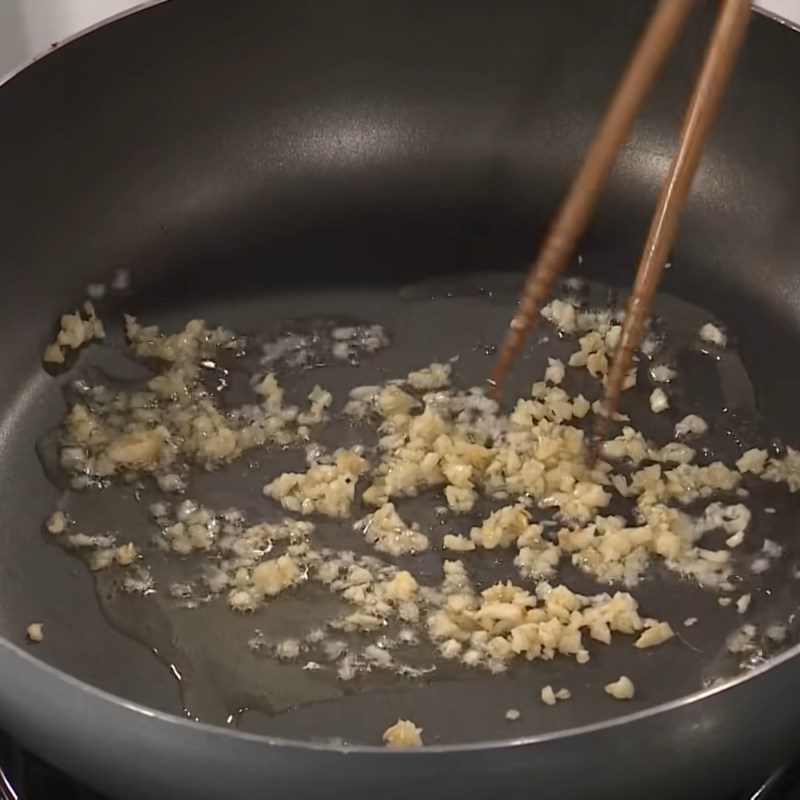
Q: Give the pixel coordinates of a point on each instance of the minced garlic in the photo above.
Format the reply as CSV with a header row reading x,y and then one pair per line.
x,y
743,603
75,331
126,554
436,376
389,534
324,489
274,575
655,634
662,373
175,420
403,733
753,460
713,335
621,689
550,697
555,371
691,425
502,528
35,632
505,621
460,544
658,401
57,523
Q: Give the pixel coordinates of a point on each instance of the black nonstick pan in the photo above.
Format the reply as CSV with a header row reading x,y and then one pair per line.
x,y
267,165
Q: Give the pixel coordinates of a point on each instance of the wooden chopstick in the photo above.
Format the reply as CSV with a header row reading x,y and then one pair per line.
x,y
573,214
724,44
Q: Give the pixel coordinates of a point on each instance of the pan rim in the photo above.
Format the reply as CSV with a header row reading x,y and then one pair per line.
x,y
768,14
56,676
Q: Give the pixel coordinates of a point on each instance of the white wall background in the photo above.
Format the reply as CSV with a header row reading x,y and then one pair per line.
x,y
788,9
28,27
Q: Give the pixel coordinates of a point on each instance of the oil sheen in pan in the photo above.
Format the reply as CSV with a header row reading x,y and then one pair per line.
x,y
224,678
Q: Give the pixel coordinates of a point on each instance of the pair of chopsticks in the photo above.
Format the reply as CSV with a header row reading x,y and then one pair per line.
x,y
573,214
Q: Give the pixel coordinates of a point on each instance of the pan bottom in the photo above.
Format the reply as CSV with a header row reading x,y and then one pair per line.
x,y
207,651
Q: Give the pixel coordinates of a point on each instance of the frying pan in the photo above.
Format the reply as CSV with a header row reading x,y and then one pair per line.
x,y
281,160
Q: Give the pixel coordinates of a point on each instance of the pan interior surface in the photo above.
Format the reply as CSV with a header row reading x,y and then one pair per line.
x,y
189,654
